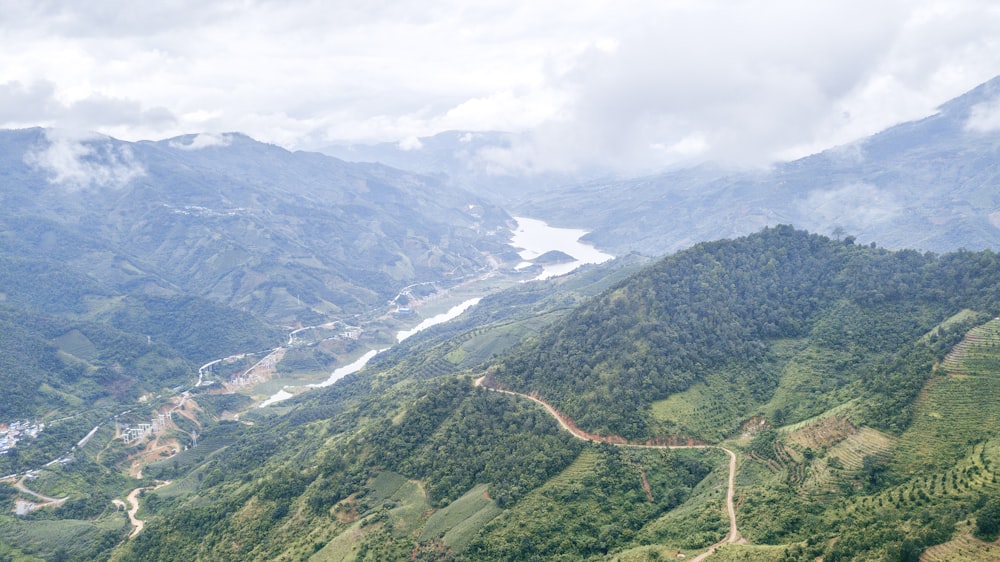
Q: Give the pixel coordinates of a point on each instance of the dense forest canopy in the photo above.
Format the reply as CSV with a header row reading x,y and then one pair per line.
x,y
699,311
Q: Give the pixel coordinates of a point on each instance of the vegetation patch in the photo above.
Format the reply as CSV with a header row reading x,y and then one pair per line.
x,y
459,520
594,507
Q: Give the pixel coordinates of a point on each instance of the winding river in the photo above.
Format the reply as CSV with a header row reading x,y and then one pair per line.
x,y
531,238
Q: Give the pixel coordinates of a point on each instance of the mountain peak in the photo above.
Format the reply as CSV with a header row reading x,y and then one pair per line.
x,y
197,141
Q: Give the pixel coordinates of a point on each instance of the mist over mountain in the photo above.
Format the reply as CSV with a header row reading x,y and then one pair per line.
x,y
930,184
779,395
285,235
479,161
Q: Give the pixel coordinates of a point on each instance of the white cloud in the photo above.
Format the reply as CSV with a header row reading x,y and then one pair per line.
x,y
410,143
596,82
79,160
984,117
203,140
691,146
855,206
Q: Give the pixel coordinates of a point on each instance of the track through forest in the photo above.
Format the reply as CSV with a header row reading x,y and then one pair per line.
x,y
567,424
133,500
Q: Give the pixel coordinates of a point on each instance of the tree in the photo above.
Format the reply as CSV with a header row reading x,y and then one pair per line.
x,y
873,471
988,520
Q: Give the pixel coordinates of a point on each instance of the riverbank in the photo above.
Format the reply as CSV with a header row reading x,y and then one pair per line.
x,y
531,238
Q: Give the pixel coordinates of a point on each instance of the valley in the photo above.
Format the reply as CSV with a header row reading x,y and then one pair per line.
x,y
239,352
246,381
759,480
361,463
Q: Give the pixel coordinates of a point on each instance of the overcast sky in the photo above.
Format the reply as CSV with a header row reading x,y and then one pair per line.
x,y
638,85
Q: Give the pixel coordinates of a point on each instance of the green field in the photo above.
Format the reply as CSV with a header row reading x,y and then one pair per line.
x,y
457,522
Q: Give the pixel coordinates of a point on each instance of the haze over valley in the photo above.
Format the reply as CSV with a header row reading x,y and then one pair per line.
x,y
550,281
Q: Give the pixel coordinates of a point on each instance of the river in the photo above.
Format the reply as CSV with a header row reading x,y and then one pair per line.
x,y
534,237
531,238
452,313
360,362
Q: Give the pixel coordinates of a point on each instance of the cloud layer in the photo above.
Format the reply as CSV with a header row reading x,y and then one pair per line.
x,y
635,85
80,160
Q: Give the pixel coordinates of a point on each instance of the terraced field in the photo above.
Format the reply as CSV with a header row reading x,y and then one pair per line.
x,y
956,410
709,411
978,353
973,475
405,503
845,460
821,432
965,548
456,523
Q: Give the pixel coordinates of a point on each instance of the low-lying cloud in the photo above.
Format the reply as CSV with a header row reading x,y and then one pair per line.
x,y
76,161
639,88
855,207
203,140
984,117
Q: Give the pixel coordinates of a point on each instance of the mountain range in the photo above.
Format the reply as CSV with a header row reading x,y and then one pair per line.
x,y
190,249
249,225
731,386
854,386
930,184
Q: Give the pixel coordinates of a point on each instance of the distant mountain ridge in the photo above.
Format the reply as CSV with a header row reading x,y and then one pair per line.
x,y
249,225
473,160
930,184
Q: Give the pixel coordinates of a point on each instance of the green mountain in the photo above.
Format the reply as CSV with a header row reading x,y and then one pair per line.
x,y
728,315
205,246
855,386
72,342
287,236
126,266
777,396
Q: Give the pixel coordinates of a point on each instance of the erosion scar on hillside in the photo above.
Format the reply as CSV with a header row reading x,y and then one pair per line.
x,y
567,424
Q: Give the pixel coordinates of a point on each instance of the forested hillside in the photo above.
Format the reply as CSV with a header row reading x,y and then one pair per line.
x,y
70,340
725,312
855,384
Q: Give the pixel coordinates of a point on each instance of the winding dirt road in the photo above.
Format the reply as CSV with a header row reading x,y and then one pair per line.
x,y
23,507
133,500
567,424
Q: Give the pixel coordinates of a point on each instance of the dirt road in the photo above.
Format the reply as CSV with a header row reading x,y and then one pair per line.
x,y
23,507
133,500
567,424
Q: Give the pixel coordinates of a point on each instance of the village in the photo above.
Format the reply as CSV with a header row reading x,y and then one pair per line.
x,y
16,431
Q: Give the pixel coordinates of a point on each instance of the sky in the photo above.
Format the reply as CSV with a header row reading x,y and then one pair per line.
x,y
636,86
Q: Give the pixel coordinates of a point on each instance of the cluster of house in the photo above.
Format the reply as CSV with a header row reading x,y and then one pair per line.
x,y
13,432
